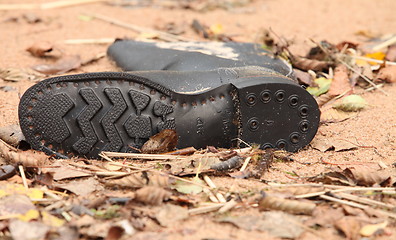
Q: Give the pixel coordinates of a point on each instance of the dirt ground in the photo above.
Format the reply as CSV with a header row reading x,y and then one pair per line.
x,y
373,130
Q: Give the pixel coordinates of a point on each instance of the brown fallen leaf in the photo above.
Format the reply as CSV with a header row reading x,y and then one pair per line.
x,y
286,205
40,49
331,115
309,64
36,230
350,226
162,142
357,175
391,53
325,216
387,74
28,158
345,45
136,180
340,84
16,74
324,144
66,172
15,204
62,65
12,134
365,176
152,195
171,214
81,187
31,18
7,171
278,224
303,77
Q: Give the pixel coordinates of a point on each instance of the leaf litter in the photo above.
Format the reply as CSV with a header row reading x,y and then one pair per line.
x,y
123,194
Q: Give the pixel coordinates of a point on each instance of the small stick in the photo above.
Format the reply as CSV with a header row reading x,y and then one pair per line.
x,y
244,166
183,151
374,60
373,88
211,184
162,35
365,200
107,174
352,204
344,189
23,177
211,196
228,206
143,156
66,216
385,44
52,195
207,209
105,157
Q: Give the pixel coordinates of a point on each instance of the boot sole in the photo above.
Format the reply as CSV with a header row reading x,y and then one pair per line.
x,y
84,114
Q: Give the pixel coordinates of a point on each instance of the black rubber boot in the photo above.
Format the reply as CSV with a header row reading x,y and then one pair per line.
x,y
85,114
192,56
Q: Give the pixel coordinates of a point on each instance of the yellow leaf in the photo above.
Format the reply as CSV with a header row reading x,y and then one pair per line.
x,y
52,221
370,229
217,29
29,215
9,189
375,55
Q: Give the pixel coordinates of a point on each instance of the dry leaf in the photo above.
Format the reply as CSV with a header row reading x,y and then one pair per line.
x,y
63,65
309,64
365,176
162,142
362,176
6,171
14,205
286,205
31,18
340,84
35,230
371,229
152,195
16,74
40,49
332,115
303,77
350,226
26,158
324,144
67,172
345,45
12,134
387,74
81,187
136,180
351,103
391,53
278,224
189,188
171,214
325,216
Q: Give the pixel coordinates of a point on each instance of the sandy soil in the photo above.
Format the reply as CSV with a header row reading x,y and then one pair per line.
x,y
372,130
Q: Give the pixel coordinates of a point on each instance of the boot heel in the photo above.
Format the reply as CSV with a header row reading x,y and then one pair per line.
x,y
276,113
